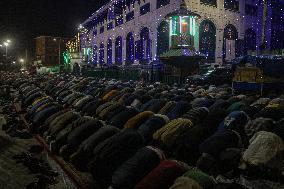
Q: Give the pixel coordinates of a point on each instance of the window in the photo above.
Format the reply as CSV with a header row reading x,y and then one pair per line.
x,y
207,39
109,52
101,54
129,48
145,9
161,3
118,50
138,48
231,5
118,8
95,55
102,29
251,10
110,26
95,32
209,2
118,21
130,16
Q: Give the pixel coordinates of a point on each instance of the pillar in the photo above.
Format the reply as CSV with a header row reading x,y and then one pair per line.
x,y
196,37
153,38
113,51
123,48
136,38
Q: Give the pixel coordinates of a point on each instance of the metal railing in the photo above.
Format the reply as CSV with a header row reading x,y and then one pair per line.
x,y
126,74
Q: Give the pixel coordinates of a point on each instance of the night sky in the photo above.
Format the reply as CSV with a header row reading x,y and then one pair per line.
x,y
22,20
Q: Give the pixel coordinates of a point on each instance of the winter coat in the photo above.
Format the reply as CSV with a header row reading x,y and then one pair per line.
x,y
167,107
138,120
103,106
44,127
155,107
121,118
219,141
196,115
163,176
103,114
61,123
135,168
185,183
41,116
219,104
82,102
91,107
77,136
236,121
111,93
259,124
170,132
154,123
265,148
111,153
204,180
187,145
60,139
84,153
178,110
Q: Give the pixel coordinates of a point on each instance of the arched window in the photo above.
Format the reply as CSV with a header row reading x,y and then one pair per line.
x,y
101,54
161,3
250,40
129,48
231,5
207,39
109,52
230,32
118,50
95,54
145,49
229,43
163,38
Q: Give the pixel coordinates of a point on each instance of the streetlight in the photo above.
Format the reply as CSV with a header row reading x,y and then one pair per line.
x,y
59,49
21,60
6,44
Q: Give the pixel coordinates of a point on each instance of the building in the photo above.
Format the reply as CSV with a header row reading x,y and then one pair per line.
x,y
125,32
48,50
72,54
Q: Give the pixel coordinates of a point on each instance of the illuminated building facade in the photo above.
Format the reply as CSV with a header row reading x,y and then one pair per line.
x,y
126,32
71,56
48,50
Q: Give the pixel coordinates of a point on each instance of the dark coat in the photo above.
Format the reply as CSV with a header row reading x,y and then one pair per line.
x,y
111,153
84,153
134,169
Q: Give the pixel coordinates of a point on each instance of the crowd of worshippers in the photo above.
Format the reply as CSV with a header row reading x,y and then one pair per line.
x,y
157,136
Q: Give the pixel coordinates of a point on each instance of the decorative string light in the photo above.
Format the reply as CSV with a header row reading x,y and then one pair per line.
x,y
121,12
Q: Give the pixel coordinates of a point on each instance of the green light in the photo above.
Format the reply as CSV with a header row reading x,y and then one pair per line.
x,y
171,26
193,26
190,25
66,58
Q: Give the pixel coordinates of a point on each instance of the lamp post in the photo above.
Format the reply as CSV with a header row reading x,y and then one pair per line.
x,y
59,49
6,44
22,61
